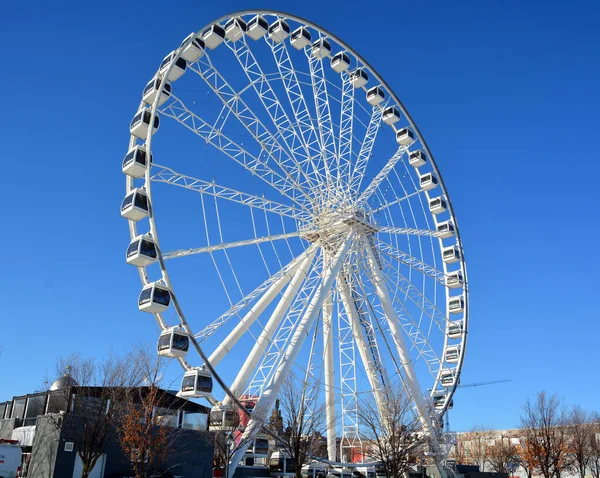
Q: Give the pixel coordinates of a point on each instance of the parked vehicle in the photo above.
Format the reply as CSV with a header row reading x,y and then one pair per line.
x,y
10,460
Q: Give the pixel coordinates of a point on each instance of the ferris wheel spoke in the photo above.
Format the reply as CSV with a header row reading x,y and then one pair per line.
x,y
411,261
329,380
229,245
396,331
382,175
409,231
346,129
234,103
280,119
399,200
366,148
163,174
177,110
298,104
326,134
267,398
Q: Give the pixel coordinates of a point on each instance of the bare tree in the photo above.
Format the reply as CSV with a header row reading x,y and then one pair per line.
x,y
85,391
501,455
303,420
390,433
579,430
526,458
543,423
476,444
146,425
594,445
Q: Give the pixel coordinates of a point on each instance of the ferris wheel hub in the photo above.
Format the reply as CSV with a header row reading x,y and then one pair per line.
x,y
328,225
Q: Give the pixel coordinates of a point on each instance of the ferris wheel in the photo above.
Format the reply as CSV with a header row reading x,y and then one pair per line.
x,y
304,226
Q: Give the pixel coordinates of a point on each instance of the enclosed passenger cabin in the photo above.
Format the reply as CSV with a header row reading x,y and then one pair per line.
x,y
375,96
428,181
445,229
439,399
391,115
173,342
141,123
417,158
192,48
235,29
259,448
359,78
450,254
279,31
136,205
452,354
456,305
142,251
437,205
454,329
454,280
405,137
321,48
213,36
178,69
154,298
196,383
340,62
223,417
300,38
134,162
257,27
151,91
448,378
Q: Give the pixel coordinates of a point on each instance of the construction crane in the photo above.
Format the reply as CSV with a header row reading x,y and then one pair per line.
x,y
474,384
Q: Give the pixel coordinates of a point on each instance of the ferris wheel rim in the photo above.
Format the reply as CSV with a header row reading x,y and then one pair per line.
x,y
154,110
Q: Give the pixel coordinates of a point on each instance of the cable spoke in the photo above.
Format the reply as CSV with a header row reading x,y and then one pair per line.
x,y
398,200
411,261
407,231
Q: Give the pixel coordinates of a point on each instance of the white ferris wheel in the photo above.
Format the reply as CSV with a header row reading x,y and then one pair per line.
x,y
289,218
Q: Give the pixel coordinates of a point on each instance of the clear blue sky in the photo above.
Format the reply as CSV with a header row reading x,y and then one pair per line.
x,y
506,93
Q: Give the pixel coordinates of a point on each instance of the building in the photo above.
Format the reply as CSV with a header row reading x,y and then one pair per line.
x,y
38,421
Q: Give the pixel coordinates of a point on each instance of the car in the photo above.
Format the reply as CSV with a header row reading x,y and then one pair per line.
x,y
10,460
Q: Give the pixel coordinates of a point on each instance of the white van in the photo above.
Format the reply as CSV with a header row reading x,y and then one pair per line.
x,y
10,460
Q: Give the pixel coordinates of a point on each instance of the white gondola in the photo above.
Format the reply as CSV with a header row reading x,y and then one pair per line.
x,y
196,383
151,91
178,69
452,354
417,158
437,205
141,121
173,342
257,27
235,29
405,137
259,448
375,95
142,251
428,181
454,329
223,418
135,206
391,115
279,31
154,298
192,48
456,305
300,38
450,254
447,378
359,78
321,48
445,229
213,36
340,62
134,162
454,280
439,399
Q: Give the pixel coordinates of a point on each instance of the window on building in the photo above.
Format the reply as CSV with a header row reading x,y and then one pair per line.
x,y
195,421
18,410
